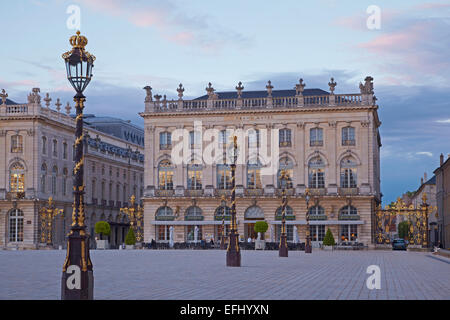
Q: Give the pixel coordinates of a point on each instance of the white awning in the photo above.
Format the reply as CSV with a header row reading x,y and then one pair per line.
x,y
321,222
188,223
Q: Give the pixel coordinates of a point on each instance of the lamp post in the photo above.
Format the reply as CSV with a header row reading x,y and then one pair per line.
x,y
283,250
308,231
233,250
48,213
222,239
135,214
78,277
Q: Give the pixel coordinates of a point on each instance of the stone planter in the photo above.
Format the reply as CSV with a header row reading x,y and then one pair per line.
x,y
260,244
102,244
129,247
327,248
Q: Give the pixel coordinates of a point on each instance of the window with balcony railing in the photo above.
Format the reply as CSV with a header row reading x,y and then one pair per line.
x,y
165,141
17,178
348,136
285,138
316,178
316,137
194,178
223,177
287,165
165,175
254,175
348,173
16,144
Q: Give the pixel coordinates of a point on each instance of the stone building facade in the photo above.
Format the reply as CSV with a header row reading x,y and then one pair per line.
x,y
328,143
443,200
36,162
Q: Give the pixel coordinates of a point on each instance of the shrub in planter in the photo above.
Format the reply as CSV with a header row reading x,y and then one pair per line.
x,y
261,226
329,239
102,228
130,239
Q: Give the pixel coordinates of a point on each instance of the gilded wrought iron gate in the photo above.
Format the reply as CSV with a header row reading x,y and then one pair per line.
x,y
417,216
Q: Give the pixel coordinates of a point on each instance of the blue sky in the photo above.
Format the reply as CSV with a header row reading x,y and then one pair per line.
x,y
163,43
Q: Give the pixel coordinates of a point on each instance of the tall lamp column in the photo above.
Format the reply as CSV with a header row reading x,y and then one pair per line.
x,y
283,249
233,250
77,276
308,248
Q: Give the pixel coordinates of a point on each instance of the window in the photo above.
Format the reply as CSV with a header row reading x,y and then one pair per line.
x,y
110,191
316,173
117,192
285,137
348,232
124,194
194,211
348,173
289,232
103,170
64,185
223,210
165,175
93,167
254,175
163,233
15,225
165,140
190,233
65,150
103,190
348,136
195,139
17,178
44,145
287,165
110,171
94,190
348,210
17,144
55,148
224,138
54,175
316,137
164,212
223,176
194,178
279,212
317,232
253,138
43,177
316,210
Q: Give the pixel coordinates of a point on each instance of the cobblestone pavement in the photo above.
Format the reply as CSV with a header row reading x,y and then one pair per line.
x,y
197,274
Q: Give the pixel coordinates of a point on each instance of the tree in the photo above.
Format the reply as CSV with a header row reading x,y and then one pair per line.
x,y
403,229
102,228
329,239
261,226
130,239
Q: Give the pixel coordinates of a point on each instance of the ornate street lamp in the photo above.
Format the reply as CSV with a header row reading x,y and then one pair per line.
x,y
233,250
308,231
222,239
283,250
78,276
48,213
135,214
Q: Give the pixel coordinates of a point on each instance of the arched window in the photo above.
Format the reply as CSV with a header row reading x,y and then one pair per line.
x,y
279,212
165,175
15,225
17,178
348,173
43,177
316,137
44,145
316,210
64,184
254,175
254,213
348,210
194,176
287,165
193,211
285,138
164,212
16,144
316,173
348,136
222,210
54,176
223,176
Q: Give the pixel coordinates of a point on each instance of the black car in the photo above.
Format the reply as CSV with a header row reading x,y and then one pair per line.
x,y
399,244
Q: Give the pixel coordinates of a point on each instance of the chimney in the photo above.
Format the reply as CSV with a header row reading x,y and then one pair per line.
x,y
425,177
421,181
441,159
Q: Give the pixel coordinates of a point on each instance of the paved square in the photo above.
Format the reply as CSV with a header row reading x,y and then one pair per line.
x,y
197,274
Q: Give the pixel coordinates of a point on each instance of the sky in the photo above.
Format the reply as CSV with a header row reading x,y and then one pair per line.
x,y
403,45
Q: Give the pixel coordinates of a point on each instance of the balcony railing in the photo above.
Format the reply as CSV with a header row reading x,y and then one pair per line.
x,y
94,201
118,204
316,143
349,217
165,146
285,144
222,192
164,218
317,191
348,142
289,192
15,195
164,193
194,193
218,217
194,218
111,203
317,217
287,217
348,191
253,192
